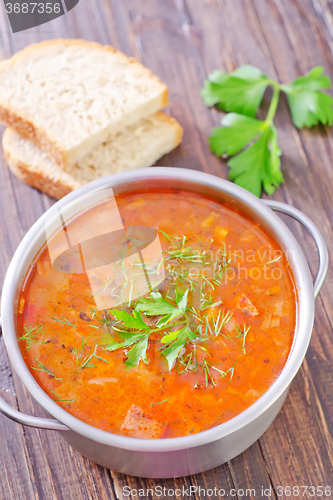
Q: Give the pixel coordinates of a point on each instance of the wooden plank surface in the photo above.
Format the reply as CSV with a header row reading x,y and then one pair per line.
x,y
182,41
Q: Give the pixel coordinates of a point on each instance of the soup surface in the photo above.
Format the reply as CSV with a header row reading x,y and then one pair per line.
x,y
170,326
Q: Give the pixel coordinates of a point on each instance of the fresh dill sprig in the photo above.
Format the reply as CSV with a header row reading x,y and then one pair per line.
x,y
274,260
189,361
242,333
44,369
184,303
29,339
159,402
231,370
87,360
169,237
55,394
208,375
222,319
64,321
66,401
208,303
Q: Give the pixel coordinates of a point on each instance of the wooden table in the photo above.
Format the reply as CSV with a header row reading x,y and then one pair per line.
x,y
182,41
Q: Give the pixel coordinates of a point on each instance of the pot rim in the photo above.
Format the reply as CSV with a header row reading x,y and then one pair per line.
x,y
304,322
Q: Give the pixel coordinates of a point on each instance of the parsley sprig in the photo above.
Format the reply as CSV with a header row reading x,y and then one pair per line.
x,y
171,319
136,332
179,319
176,341
254,142
159,306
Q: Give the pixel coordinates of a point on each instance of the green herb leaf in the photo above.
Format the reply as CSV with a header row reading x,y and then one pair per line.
x,y
236,133
165,320
159,306
240,92
176,340
156,306
181,300
136,322
130,338
138,352
138,340
308,105
258,165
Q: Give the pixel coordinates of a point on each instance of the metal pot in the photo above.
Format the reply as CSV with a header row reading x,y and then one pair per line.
x,y
190,454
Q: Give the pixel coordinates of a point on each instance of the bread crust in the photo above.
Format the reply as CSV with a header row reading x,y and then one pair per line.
x,y
55,185
27,130
179,129
76,41
38,135
54,188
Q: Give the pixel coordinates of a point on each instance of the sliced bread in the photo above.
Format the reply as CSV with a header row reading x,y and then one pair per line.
x,y
68,96
138,146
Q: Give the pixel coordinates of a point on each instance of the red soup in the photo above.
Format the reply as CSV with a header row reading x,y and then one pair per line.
x,y
177,316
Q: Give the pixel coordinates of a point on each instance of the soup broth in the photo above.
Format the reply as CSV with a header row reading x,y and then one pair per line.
x,y
176,317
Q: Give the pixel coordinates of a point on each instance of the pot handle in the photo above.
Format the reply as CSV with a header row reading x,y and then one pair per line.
x,y
29,420
316,235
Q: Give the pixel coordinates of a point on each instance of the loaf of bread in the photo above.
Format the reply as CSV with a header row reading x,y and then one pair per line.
x,y
139,145
68,96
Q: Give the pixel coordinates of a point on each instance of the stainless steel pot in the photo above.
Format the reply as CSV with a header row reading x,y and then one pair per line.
x,y
190,454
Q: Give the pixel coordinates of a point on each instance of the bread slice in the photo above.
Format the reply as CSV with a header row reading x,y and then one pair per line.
x,y
67,96
137,146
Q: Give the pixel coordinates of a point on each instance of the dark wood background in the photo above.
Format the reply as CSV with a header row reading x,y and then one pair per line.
x,y
182,41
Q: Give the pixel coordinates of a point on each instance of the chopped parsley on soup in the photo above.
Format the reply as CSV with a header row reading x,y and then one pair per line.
x,y
172,320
